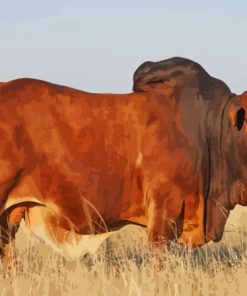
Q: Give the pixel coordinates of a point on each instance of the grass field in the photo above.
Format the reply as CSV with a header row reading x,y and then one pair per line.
x,y
124,265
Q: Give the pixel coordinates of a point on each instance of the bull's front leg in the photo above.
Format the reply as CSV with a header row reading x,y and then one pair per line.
x,y
176,212
193,226
164,210
193,220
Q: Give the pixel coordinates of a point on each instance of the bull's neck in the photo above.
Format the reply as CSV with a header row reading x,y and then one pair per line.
x,y
220,178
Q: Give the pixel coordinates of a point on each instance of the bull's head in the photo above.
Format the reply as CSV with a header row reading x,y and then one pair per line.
x,y
236,156
229,176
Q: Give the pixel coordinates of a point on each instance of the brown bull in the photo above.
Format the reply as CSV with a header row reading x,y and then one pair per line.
x,y
170,156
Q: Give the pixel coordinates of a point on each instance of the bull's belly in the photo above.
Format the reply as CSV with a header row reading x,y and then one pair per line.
x,y
58,232
67,242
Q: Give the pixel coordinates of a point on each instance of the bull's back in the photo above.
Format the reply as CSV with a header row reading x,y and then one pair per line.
x,y
56,116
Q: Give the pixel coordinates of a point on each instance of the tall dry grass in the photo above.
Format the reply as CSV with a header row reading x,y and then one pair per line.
x,y
124,265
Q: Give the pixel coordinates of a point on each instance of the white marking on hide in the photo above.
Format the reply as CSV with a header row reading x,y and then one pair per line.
x,y
151,214
139,160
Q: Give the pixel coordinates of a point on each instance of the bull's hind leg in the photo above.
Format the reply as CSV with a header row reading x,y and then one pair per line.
x,y
9,225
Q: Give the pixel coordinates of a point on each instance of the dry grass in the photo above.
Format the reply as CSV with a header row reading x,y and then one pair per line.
x,y
124,266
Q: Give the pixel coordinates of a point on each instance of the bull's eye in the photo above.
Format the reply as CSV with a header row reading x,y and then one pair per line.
x,y
240,118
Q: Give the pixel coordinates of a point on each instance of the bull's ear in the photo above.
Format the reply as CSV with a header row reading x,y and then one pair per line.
x,y
240,118
237,116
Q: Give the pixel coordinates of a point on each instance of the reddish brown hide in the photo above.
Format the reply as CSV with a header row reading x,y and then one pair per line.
x,y
83,163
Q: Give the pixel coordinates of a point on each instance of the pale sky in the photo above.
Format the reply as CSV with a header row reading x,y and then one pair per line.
x,y
97,45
